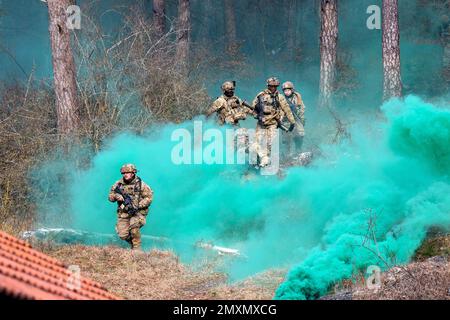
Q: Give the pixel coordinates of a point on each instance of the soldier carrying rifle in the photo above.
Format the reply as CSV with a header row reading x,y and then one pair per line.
x,y
134,198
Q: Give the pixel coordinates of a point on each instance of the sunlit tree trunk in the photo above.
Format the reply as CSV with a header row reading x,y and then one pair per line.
x,y
159,17
328,50
183,37
230,26
64,75
391,50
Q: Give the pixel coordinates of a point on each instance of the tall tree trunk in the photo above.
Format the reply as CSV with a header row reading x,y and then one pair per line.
x,y
444,34
446,57
291,6
230,26
207,26
183,38
67,107
159,17
328,50
391,50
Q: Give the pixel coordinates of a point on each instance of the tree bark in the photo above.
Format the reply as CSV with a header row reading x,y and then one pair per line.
x,y
159,17
64,75
391,50
445,36
207,27
230,26
291,6
183,37
328,50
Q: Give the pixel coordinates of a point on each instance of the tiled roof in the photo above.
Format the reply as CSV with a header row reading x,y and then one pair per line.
x,y
29,274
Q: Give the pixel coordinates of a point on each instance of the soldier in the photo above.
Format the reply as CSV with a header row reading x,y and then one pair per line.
x,y
270,106
133,197
229,108
295,138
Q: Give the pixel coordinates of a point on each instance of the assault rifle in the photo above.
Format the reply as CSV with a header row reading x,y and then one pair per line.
x,y
246,104
259,115
127,204
283,127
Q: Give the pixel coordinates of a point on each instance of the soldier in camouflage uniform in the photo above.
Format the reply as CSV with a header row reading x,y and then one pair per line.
x,y
270,106
230,110
294,139
131,218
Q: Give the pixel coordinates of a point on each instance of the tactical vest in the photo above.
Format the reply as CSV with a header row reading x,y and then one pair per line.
x,y
232,111
134,190
294,106
268,108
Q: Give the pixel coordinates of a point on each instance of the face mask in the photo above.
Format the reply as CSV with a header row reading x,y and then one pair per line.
x,y
229,94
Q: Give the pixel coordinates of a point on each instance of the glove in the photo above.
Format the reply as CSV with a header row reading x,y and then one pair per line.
x,y
119,198
292,127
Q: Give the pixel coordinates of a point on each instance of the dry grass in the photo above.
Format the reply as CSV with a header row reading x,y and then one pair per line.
x,y
159,275
427,280
434,246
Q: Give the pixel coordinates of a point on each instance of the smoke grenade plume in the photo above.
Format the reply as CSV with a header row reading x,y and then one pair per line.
x,y
368,201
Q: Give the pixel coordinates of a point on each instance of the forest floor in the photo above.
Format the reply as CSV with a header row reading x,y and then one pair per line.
x,y
159,275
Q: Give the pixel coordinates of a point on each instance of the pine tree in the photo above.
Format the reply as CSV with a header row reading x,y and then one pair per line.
x,y
391,50
328,50
183,36
67,107
159,17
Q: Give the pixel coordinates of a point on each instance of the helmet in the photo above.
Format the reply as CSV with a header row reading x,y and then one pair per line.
x,y
273,82
288,85
228,86
128,168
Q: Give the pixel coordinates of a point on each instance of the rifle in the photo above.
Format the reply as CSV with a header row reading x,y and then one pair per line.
x,y
283,127
246,104
127,204
258,111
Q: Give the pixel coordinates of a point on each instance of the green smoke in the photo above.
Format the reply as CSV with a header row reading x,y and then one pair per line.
x,y
392,172
403,179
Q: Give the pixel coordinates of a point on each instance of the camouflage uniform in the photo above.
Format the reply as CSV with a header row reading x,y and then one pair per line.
x,y
128,226
294,139
231,110
270,108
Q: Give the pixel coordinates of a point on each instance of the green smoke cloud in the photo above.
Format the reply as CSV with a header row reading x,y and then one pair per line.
x,y
394,172
404,180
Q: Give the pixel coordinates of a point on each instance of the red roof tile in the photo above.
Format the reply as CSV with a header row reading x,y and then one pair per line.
x,y
29,274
